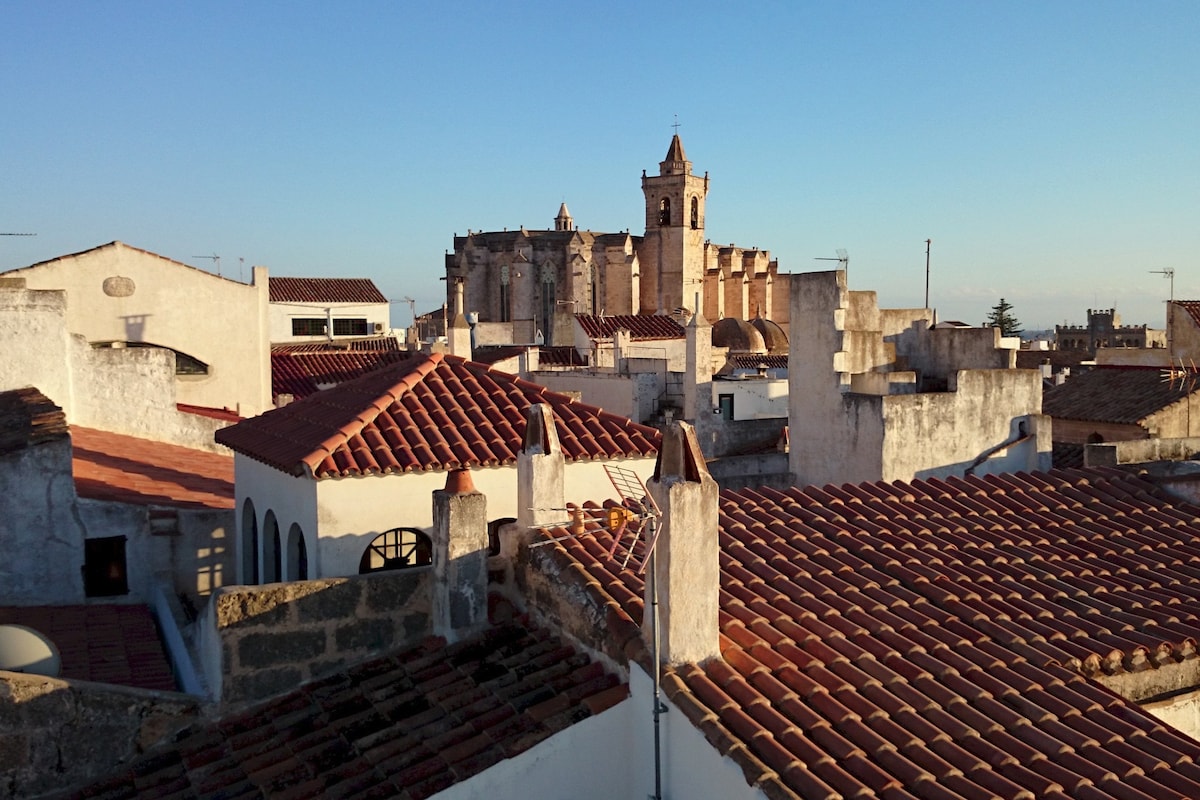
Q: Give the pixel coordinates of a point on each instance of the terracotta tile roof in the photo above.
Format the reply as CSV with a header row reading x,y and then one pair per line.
x,y
554,356
1191,307
28,418
937,639
106,643
432,412
125,469
755,361
301,373
225,414
370,343
324,290
1113,394
640,326
405,726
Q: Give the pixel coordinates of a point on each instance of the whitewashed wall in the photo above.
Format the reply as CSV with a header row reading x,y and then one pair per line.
x,y
280,317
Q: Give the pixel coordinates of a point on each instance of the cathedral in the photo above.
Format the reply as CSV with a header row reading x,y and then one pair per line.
x,y
537,280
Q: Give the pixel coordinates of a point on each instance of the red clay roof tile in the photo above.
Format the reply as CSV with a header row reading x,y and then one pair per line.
x,y
323,290
345,430
126,469
937,663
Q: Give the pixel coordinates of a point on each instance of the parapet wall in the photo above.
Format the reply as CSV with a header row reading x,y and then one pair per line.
x,y
55,734
260,641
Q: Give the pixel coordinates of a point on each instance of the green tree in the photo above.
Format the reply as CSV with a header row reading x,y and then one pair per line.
x,y
1002,318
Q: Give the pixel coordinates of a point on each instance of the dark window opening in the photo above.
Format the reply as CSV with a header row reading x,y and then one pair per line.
x,y
664,211
104,572
315,326
494,534
350,327
297,555
399,548
1095,438
695,213
249,544
725,405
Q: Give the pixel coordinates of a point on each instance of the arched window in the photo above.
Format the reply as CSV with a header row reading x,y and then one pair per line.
x,y
297,555
399,548
273,558
249,543
664,211
695,213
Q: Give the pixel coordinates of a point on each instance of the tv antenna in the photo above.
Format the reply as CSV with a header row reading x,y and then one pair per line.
x,y
412,307
18,234
638,514
1185,375
216,259
1167,272
843,259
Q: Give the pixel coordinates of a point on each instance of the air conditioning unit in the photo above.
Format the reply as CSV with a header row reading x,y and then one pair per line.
x,y
379,327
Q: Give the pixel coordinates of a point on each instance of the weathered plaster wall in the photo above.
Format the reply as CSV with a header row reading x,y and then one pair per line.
x,y
41,531
37,346
1079,431
754,398
1181,712
120,293
257,642
1138,451
761,469
590,758
55,734
938,434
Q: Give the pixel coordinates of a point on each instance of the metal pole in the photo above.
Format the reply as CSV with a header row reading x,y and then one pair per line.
x,y
927,243
658,706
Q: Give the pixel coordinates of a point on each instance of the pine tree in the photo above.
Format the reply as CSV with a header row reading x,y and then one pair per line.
x,y
1002,318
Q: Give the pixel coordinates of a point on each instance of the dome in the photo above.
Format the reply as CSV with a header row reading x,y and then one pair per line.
x,y
738,335
773,336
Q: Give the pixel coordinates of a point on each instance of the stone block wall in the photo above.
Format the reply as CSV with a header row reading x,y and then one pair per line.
x,y
55,734
260,641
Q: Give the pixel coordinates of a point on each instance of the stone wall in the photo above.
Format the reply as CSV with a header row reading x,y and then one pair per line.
x,y
260,641
55,734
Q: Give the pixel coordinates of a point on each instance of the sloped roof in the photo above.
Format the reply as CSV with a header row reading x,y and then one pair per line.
x,y
1032,359
1191,307
324,290
28,418
126,469
640,326
432,412
752,361
406,726
301,373
369,343
937,639
109,643
118,245
1113,394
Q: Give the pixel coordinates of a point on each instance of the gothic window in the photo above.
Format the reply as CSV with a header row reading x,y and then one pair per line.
x,y
399,548
505,283
548,304
664,211
695,213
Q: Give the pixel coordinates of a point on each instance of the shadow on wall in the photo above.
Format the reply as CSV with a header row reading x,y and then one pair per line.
x,y
260,641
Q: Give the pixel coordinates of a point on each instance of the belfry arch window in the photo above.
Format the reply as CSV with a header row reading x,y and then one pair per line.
x,y
664,211
695,213
399,548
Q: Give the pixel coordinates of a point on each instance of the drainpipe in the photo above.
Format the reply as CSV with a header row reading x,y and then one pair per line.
x,y
1022,434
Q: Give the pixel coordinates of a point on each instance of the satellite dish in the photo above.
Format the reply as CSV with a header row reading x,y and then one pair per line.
x,y
25,650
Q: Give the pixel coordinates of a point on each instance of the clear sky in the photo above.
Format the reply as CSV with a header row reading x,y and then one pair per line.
x,y
1049,150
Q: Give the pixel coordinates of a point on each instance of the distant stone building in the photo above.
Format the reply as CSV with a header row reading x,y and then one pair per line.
x,y
1104,329
535,281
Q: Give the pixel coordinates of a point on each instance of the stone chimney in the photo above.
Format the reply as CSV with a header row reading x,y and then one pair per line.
x,y
686,558
697,379
540,494
458,331
460,543
621,347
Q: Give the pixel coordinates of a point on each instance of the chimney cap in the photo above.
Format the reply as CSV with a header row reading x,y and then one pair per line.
x,y
458,481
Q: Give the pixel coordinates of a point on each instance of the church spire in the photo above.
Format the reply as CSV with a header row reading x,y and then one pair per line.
x,y
676,162
564,222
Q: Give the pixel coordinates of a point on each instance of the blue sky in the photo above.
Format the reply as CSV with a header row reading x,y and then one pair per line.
x,y
1048,149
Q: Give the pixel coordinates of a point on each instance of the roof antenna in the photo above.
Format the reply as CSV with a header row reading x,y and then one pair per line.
x,y
843,259
216,259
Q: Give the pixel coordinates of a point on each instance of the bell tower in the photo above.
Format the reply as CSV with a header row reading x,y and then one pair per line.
x,y
672,252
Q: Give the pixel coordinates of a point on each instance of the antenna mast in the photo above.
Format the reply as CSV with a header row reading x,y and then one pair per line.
x,y
843,259
216,259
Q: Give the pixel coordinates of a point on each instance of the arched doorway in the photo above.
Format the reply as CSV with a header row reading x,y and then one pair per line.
x,y
297,555
273,557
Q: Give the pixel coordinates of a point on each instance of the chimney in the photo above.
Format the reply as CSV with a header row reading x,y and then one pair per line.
x,y
458,331
460,544
697,380
540,495
686,558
